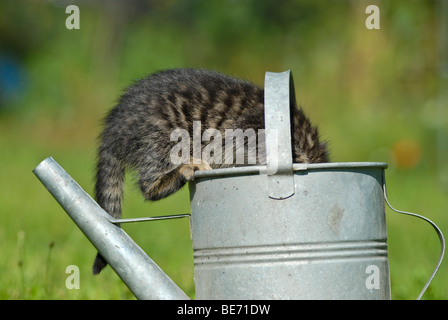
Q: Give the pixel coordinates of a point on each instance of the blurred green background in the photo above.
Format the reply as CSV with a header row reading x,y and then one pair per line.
x,y
377,95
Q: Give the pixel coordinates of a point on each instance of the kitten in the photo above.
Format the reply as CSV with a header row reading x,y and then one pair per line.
x,y
137,132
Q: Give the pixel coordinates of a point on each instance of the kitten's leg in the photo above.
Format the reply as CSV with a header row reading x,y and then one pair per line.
x,y
156,188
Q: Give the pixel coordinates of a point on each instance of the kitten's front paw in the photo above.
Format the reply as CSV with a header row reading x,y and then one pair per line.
x,y
188,170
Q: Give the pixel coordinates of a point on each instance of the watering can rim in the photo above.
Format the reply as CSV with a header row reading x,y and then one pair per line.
x,y
297,167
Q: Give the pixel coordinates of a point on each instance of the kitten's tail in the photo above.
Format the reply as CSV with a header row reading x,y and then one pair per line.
x,y
109,191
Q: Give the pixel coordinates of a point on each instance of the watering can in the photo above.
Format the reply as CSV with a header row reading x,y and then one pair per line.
x,y
276,231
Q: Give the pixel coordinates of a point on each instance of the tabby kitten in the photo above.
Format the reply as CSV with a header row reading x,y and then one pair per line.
x,y
137,132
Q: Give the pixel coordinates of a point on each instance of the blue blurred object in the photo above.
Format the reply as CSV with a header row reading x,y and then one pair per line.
x,y
12,81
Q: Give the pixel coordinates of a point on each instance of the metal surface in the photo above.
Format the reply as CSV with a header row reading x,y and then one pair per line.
x,y
130,220
279,94
321,241
255,170
318,244
291,231
143,277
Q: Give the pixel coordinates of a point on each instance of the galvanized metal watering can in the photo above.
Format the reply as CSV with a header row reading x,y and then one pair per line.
x,y
279,231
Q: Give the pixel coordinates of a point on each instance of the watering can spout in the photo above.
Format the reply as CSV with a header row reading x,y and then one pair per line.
x,y
143,277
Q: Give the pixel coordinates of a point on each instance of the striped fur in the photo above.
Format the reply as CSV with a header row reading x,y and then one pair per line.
x,y
137,131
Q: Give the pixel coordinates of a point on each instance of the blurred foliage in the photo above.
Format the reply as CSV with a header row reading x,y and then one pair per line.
x,y
376,95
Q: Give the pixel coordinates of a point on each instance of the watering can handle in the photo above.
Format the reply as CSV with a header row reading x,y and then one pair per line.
x,y
436,228
278,97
